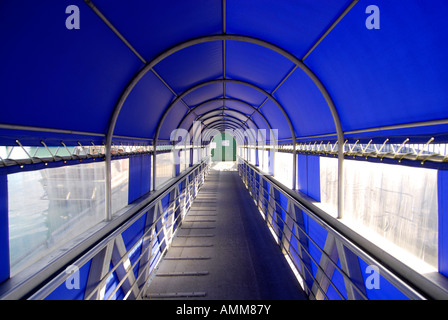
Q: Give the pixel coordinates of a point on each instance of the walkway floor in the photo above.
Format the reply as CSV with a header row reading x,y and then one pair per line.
x,y
224,250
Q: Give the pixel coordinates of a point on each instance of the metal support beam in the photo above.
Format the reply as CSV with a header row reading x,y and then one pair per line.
x,y
225,37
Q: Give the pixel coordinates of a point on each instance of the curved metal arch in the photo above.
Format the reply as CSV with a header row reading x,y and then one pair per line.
x,y
240,124
230,123
237,134
238,138
199,118
243,124
223,37
233,110
221,128
205,83
224,100
202,84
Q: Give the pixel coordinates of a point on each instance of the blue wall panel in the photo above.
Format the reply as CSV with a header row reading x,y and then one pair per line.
x,y
139,176
63,292
442,181
4,230
111,284
134,232
314,177
386,290
308,175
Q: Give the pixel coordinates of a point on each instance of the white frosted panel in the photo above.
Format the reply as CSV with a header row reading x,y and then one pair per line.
x,y
49,207
397,203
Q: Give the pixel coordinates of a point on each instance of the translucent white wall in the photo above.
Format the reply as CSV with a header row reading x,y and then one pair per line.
x,y
396,203
283,168
164,168
49,207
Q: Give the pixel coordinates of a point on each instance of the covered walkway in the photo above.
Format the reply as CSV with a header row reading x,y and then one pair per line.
x,y
114,116
224,251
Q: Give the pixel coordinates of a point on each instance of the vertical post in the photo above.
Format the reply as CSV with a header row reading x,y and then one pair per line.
x,y
154,166
340,177
4,230
108,182
294,167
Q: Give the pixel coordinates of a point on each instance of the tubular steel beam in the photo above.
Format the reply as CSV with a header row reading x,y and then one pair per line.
x,y
224,100
225,37
237,121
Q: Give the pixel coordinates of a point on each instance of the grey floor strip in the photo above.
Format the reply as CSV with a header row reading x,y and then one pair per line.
x,y
176,295
183,274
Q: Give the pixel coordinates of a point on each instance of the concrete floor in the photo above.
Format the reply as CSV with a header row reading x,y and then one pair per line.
x,y
224,250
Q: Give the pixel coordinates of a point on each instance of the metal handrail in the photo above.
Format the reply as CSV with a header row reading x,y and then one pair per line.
x,y
397,282
198,171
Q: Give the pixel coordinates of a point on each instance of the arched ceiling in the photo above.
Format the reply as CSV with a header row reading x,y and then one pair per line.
x,y
140,69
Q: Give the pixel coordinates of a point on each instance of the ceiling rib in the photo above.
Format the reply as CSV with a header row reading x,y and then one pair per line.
x,y
128,44
334,24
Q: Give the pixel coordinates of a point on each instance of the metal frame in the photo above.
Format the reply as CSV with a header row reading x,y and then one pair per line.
x,y
407,280
224,117
220,128
237,126
225,37
202,84
337,245
224,101
159,226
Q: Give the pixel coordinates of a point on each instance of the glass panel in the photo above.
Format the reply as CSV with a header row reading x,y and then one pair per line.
x,y
49,207
393,206
164,167
283,166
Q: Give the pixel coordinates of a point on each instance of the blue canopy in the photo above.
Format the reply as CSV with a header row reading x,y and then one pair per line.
x,y
143,68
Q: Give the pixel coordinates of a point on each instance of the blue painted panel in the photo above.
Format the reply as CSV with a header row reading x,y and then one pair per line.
x,y
392,75
442,188
276,119
315,231
239,106
258,65
111,284
143,108
245,93
338,281
308,175
72,80
64,293
133,257
165,202
294,24
314,177
173,118
192,65
154,26
204,93
386,290
302,173
139,176
315,254
134,232
305,105
4,229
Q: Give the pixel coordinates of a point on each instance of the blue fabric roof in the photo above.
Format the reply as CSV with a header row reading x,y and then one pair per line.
x,y
72,80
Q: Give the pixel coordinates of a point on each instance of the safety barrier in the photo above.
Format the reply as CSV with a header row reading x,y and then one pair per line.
x,y
120,266
327,264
